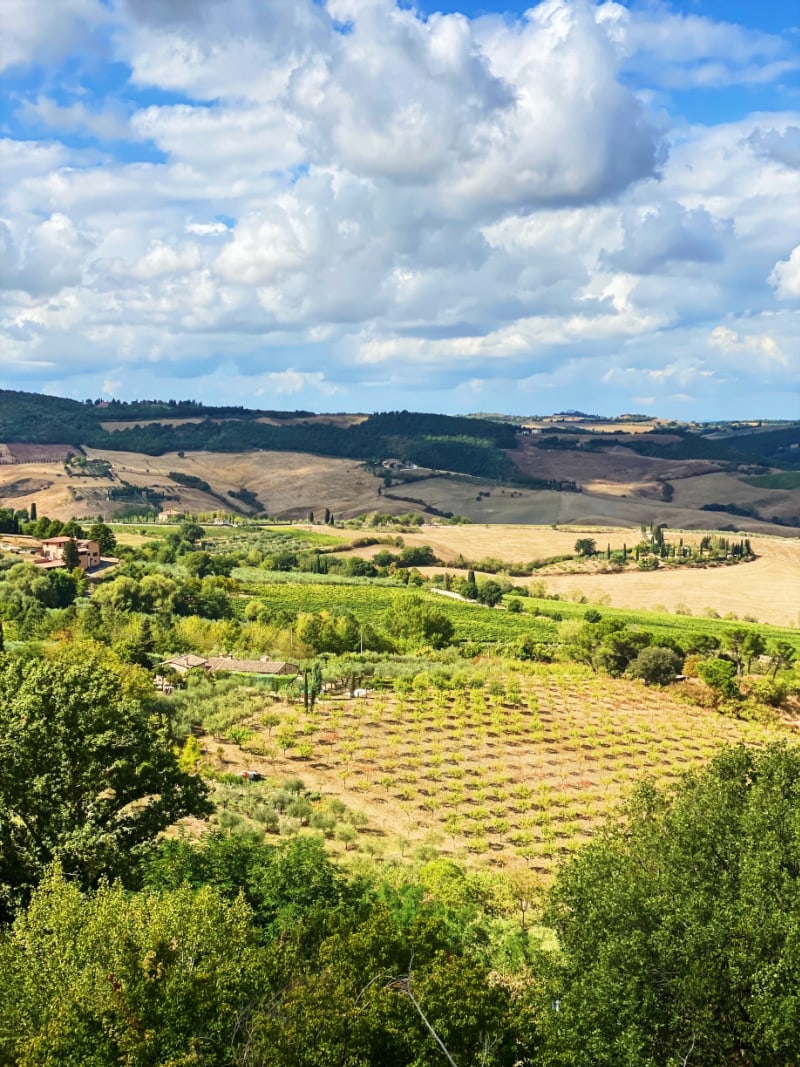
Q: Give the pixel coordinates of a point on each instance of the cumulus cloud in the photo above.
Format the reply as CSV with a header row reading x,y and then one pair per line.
x,y
416,204
44,32
668,234
785,276
782,146
763,346
51,257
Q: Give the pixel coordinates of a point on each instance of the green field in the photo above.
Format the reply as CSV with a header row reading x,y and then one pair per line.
x,y
370,599
784,480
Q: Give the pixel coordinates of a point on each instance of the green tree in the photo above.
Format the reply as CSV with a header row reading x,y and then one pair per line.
x,y
416,622
585,546
190,531
71,557
490,592
104,536
656,665
87,775
678,928
147,979
782,654
720,675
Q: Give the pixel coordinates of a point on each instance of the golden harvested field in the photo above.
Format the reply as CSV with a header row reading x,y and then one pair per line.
x,y
611,503
514,544
518,772
768,589
289,484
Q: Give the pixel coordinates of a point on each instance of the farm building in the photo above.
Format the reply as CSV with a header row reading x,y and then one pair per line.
x,y
182,664
52,553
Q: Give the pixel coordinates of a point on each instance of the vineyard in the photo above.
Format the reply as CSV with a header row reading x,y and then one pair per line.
x,y
515,767
369,600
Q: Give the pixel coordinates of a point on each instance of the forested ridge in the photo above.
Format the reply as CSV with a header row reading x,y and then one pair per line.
x,y
464,445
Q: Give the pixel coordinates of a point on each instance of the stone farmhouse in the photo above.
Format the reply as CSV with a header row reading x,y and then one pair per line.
x,y
52,553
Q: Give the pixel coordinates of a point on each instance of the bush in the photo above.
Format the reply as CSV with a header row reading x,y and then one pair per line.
x,y
656,665
720,675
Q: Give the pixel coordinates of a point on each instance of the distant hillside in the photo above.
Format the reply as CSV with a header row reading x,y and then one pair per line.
x,y
465,446
485,448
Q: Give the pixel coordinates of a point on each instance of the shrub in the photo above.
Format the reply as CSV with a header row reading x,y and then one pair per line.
x,y
656,665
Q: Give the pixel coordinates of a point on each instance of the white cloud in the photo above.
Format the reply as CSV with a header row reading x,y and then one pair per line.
x,y
492,200
161,259
51,256
785,276
289,382
107,123
763,346
206,229
44,31
679,51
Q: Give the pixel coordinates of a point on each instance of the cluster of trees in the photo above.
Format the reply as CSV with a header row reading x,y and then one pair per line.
x,y
27,522
674,930
610,645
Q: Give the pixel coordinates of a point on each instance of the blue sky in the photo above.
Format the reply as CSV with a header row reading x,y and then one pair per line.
x,y
366,205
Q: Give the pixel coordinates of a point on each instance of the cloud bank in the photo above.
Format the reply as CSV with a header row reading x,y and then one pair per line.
x,y
361,206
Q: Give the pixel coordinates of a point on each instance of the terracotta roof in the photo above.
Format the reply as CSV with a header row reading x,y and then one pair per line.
x,y
249,666
187,661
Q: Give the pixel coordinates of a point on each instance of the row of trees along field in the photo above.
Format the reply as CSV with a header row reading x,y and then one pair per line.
x,y
671,938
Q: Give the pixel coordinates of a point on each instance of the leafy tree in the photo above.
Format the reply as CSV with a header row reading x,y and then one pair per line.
x,y
147,979
678,928
87,775
490,592
585,546
71,557
656,665
104,536
190,531
742,645
198,564
415,622
720,675
783,655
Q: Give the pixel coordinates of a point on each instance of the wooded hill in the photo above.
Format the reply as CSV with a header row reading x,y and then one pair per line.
x,y
466,445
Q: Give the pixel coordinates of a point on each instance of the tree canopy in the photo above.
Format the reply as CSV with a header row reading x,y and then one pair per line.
x,y
680,928
87,773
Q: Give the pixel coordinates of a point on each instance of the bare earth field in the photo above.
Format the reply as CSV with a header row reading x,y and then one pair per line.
x,y
288,484
619,487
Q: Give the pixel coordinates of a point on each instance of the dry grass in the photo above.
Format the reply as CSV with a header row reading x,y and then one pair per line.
x,y
767,589
289,484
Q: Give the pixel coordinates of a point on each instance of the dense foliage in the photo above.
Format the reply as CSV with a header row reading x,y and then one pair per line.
x,y
461,444
87,773
680,928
